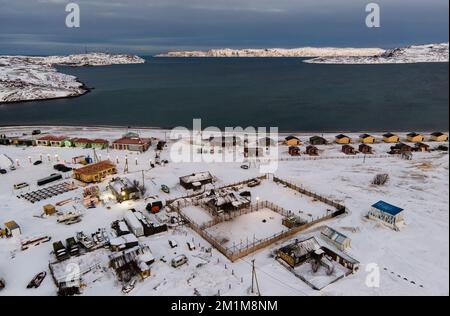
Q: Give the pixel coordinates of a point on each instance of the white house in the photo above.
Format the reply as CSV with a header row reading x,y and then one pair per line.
x,y
337,239
388,214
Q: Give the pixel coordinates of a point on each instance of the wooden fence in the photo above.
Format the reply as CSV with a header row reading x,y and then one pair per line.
x,y
381,156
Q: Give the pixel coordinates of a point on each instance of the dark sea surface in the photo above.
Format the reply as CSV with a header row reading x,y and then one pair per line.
x,y
281,92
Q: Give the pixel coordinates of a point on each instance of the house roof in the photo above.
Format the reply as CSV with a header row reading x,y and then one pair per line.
x,y
291,137
388,135
340,136
95,168
302,248
437,134
316,138
363,136
132,141
387,208
422,145
52,138
11,225
413,134
334,235
197,177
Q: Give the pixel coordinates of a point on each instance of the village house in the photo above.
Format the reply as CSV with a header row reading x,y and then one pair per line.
x,y
421,147
132,142
439,137
317,140
388,214
131,262
124,190
12,229
336,238
49,209
95,172
348,150
123,242
52,141
365,149
391,138
294,151
415,137
224,201
400,148
292,141
196,180
312,150
343,139
367,139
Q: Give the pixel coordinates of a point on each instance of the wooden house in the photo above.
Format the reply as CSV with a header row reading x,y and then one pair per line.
x,y
292,141
131,262
367,139
421,147
132,144
294,151
348,150
336,238
415,137
95,172
400,148
312,150
297,253
52,141
12,229
343,139
391,138
439,137
124,190
365,149
195,180
317,140
388,214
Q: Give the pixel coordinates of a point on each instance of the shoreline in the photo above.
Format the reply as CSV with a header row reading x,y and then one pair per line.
x,y
168,129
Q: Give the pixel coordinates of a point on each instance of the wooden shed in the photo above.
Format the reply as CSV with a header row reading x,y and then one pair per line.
x,y
439,137
12,229
49,209
292,141
421,147
294,151
367,139
415,137
343,139
391,138
312,150
348,150
365,149
317,140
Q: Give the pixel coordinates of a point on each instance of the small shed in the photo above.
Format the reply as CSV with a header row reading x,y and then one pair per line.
x,y
336,238
292,141
439,137
203,178
294,151
348,150
312,150
389,214
367,139
49,209
343,139
391,138
317,140
400,148
365,149
12,229
415,137
422,147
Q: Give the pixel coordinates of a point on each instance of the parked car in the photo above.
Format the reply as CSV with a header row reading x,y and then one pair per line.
x,y
3,171
245,167
191,246
129,287
179,261
36,132
173,243
165,189
22,185
37,162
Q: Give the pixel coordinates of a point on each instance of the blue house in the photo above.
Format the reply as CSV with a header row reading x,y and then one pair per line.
x,y
388,214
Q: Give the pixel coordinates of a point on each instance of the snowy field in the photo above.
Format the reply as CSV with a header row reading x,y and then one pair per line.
x,y
246,228
419,253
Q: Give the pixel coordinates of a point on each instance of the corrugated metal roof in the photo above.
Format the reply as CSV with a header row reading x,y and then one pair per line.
x,y
387,208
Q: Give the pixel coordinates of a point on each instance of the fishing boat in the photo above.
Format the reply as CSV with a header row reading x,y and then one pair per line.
x,y
37,280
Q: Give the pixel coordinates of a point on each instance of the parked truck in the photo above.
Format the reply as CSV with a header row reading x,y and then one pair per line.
x,y
60,251
72,246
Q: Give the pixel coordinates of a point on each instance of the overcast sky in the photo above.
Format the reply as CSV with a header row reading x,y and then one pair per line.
x,y
150,26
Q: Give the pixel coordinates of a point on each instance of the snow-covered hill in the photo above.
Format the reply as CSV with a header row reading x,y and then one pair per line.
x,y
413,54
277,52
24,78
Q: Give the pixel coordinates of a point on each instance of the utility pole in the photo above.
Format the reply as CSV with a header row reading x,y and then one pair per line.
x,y
254,279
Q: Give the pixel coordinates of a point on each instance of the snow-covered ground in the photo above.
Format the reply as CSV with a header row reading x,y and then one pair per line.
x,y
419,253
277,52
430,53
24,78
